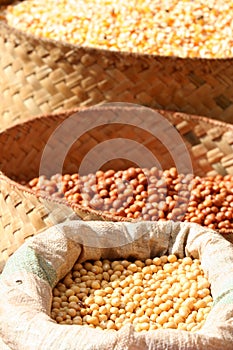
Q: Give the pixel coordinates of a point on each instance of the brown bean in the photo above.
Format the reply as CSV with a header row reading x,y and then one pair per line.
x,y
135,207
108,201
200,206
195,219
162,205
113,193
223,209
191,209
219,216
173,172
154,171
142,180
109,173
130,200
144,194
228,215
172,205
137,214
99,174
177,211
178,187
196,193
96,203
214,209
153,198
162,191
153,180
161,184
224,224
146,217
66,177
33,182
139,170
161,214
101,185
116,204
209,219
168,181
208,203
77,197
212,226
109,181
139,188
134,183
205,192
229,198
121,212
75,176
153,212
206,210
200,215
113,186
132,173
152,190
145,210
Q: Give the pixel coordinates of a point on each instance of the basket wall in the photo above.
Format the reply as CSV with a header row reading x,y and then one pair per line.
x,y
209,142
42,76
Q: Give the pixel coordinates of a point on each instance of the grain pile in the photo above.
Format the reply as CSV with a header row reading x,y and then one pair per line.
x,y
164,292
167,28
147,194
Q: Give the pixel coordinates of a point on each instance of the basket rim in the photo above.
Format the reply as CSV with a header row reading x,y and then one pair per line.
x,y
112,106
95,50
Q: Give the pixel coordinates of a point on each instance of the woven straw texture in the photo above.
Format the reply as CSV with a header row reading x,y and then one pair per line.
x,y
24,215
209,144
42,76
20,209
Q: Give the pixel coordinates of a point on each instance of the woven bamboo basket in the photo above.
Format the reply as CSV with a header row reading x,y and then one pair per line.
x,y
42,76
209,145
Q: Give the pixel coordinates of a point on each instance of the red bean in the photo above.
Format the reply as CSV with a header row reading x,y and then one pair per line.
x,y
148,194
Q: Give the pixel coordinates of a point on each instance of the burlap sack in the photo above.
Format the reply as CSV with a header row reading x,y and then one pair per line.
x,y
31,273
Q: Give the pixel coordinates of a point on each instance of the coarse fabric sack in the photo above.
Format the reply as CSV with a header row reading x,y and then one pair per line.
x,y
34,269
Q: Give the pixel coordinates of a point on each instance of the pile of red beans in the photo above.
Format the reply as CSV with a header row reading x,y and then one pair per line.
x,y
148,194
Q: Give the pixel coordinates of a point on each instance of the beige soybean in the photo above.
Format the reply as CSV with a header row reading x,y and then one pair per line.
x,y
165,299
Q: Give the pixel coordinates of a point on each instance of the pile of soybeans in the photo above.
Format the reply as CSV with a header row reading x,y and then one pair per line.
x,y
163,292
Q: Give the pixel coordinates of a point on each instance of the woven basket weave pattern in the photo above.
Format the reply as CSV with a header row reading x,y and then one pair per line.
x,y
23,215
209,142
42,76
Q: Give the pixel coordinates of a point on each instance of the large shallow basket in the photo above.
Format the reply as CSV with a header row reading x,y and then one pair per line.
x,y
209,145
42,76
